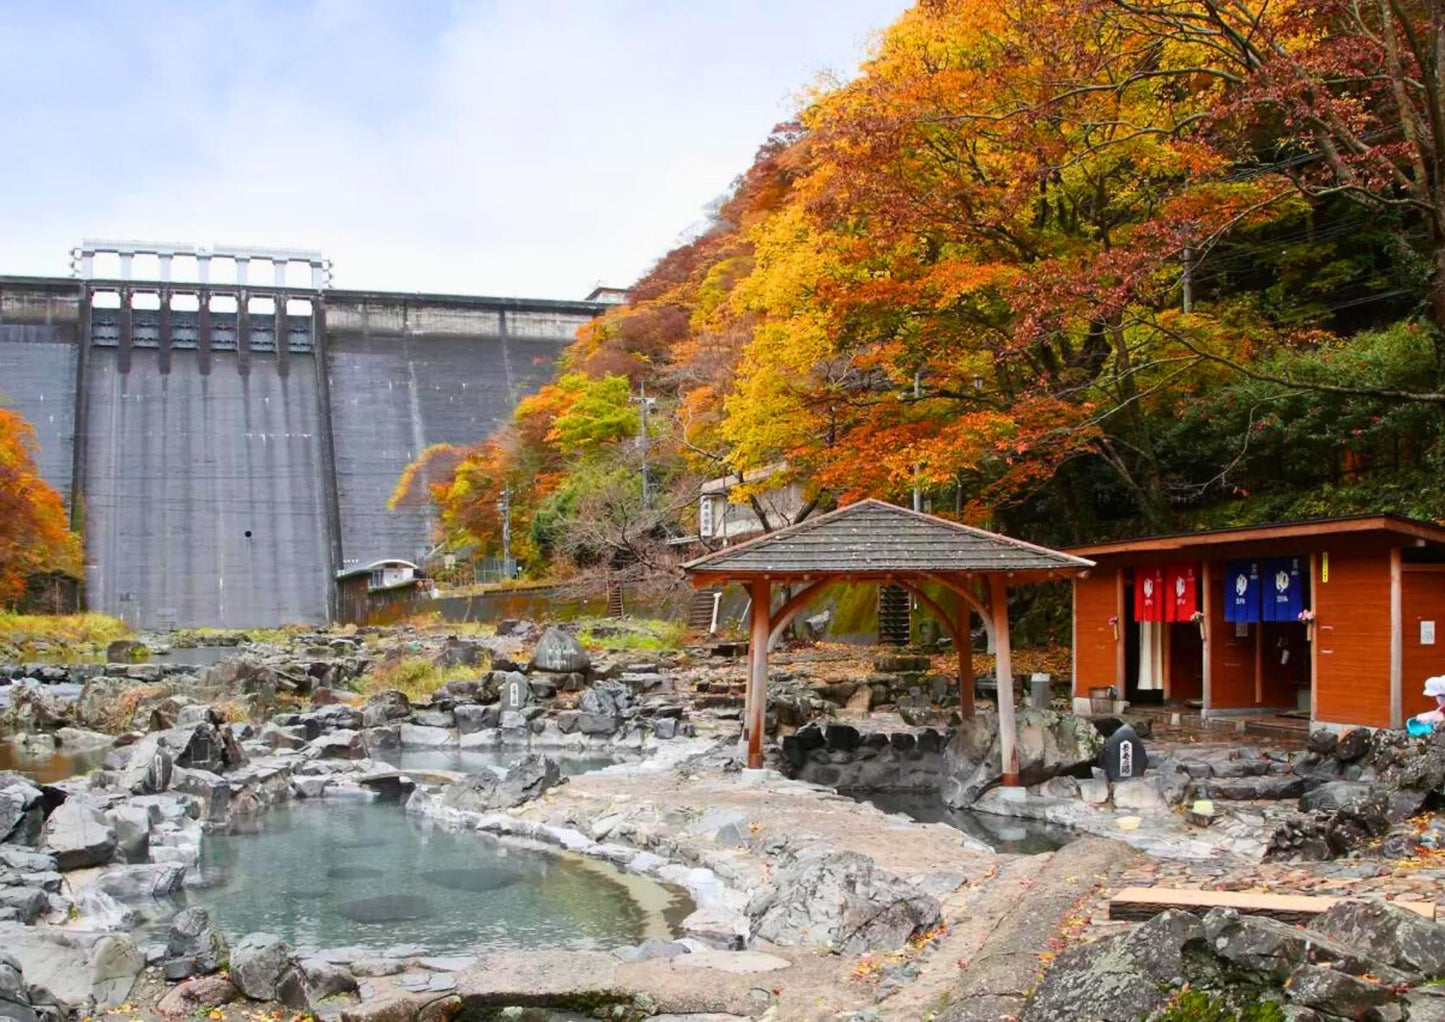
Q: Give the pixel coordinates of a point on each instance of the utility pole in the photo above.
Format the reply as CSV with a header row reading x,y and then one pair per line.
x,y
504,508
644,404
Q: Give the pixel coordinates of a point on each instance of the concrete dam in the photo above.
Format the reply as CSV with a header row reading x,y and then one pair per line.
x,y
226,449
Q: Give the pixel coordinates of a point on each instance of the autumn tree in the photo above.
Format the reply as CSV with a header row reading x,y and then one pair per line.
x,y
34,535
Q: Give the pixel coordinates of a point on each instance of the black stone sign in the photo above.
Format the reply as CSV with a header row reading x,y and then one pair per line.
x,y
1124,756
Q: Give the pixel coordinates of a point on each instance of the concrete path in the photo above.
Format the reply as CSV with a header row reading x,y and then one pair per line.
x,y
1007,966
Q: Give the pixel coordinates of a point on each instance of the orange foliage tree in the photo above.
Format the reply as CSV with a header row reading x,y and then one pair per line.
x,y
34,534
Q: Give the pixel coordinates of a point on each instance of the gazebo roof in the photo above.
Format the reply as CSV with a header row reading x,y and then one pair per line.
x,y
875,539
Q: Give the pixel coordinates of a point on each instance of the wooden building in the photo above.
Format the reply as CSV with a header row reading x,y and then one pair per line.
x,y
377,592
1340,618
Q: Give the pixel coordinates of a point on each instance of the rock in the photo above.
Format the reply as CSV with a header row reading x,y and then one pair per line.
x,y
148,771
1266,787
1139,794
414,736
199,994
1322,742
435,718
194,939
1122,977
1335,993
115,962
132,831
664,728
1049,743
463,653
141,880
485,791
259,963
597,723
22,813
600,700
211,790
840,899
342,744
384,707
559,653
471,717
78,834
1333,795
121,651
1389,934
323,980
14,996
26,904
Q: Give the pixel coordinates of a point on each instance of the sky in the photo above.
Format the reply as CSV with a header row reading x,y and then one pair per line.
x,y
533,148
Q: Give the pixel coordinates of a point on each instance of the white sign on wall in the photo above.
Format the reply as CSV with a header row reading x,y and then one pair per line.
x,y
1427,633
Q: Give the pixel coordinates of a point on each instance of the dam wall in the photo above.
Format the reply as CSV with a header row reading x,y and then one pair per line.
x,y
226,450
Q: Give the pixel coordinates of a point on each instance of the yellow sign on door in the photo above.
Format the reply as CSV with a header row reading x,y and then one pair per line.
x,y
1325,566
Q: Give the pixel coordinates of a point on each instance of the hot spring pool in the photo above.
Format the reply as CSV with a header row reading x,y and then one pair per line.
x,y
343,874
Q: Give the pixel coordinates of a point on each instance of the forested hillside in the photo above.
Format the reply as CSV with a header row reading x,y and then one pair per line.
x,y
1072,268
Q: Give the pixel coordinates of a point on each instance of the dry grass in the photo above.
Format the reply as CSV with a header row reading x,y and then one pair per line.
x,y
636,635
415,676
432,621
69,628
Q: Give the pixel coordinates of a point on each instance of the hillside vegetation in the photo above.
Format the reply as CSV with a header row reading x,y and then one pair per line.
x,y
1071,269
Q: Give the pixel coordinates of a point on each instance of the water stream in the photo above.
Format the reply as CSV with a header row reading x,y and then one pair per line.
x,y
1001,833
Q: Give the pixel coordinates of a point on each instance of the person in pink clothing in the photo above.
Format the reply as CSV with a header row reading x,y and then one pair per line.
x,y
1434,687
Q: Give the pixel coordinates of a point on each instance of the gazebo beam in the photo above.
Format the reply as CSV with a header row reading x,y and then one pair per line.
x,y
1003,671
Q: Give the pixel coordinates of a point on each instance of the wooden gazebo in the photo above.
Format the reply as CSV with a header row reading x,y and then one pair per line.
x,y
873,541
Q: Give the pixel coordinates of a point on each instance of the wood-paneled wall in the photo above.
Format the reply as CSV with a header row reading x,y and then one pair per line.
x,y
1352,638
1096,600
1424,600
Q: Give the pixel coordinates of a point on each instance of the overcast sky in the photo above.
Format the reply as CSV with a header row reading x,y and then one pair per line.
x,y
508,147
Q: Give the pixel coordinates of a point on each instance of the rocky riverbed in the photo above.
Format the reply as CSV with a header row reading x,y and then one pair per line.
x,y
783,899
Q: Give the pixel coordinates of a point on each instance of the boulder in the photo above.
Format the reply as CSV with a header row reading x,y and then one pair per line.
x,y
26,904
1352,745
472,718
74,970
414,736
259,964
148,767
1338,994
1049,743
597,723
1391,935
14,996
1122,977
385,707
559,653
132,831
1334,795
141,880
194,941
1269,787
341,744
211,791
198,995
841,899
484,791
22,811
78,835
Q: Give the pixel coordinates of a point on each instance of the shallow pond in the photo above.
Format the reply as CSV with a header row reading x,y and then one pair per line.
x,y
50,768
1001,833
332,874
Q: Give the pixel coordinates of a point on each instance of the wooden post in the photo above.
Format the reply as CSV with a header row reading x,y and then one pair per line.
x,y
1121,637
1397,641
1007,734
963,638
756,706
1206,603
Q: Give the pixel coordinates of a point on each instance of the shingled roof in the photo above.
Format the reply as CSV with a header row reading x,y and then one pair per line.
x,y
875,538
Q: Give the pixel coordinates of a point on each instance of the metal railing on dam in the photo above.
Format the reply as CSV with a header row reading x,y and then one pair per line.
x,y
226,449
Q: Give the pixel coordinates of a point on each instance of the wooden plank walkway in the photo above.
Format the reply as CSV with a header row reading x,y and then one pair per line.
x,y
1137,903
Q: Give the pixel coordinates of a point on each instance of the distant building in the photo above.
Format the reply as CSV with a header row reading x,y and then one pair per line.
x,y
720,519
608,295
382,589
